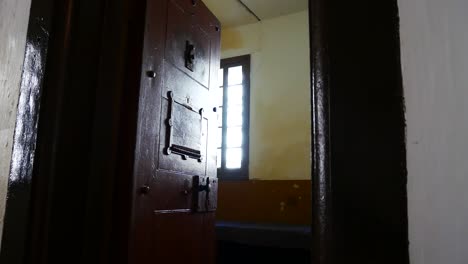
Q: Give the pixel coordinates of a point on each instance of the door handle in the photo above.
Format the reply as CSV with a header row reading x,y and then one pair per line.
x,y
200,185
205,188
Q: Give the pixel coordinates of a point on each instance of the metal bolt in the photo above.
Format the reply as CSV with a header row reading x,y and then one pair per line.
x,y
168,151
151,74
145,189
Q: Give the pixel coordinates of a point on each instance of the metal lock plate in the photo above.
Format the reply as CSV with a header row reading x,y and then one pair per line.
x,y
205,192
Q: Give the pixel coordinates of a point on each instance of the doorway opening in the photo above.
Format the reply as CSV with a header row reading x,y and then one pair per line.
x,y
264,163
122,162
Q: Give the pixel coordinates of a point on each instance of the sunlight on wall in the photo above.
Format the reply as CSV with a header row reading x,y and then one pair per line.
x,y
280,94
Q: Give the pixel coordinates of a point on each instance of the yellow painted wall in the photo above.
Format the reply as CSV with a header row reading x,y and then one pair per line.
x,y
280,94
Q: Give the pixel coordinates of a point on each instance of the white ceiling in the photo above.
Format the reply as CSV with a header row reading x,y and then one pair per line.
x,y
232,13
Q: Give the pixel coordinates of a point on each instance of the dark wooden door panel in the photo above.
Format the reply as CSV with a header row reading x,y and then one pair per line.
x,y
185,89
175,193
175,159
172,191
183,30
174,232
183,126
190,97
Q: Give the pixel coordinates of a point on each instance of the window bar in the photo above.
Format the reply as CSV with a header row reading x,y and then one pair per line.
x,y
224,129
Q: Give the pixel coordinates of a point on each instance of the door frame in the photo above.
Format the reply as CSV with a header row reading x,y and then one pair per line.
x,y
74,104
322,236
18,210
17,220
365,32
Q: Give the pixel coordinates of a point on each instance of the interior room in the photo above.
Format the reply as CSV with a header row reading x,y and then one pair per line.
x,y
264,197
233,131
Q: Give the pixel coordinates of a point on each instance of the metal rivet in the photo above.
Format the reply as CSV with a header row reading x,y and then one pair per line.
x,y
151,74
145,189
168,151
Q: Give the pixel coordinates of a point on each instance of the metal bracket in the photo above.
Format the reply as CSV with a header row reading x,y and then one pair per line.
x,y
189,55
183,151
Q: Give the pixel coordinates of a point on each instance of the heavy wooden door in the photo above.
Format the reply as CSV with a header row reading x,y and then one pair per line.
x,y
175,162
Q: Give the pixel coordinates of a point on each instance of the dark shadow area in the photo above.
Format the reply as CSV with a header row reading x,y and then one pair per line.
x,y
234,253
262,243
368,155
